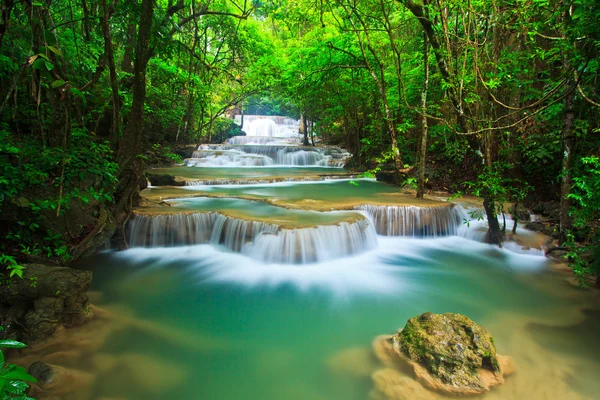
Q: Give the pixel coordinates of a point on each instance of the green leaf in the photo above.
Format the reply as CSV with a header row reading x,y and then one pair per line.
x,y
55,50
1,363
49,65
39,63
18,373
11,344
58,83
16,387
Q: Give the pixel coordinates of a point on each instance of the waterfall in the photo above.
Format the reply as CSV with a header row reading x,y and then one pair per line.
x,y
415,221
307,245
227,157
266,155
263,140
258,181
259,240
184,229
270,126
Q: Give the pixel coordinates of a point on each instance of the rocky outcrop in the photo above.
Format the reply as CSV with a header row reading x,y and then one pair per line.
x,y
448,353
46,298
164,180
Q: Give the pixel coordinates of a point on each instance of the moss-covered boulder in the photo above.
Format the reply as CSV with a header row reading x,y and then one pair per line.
x,y
451,347
448,353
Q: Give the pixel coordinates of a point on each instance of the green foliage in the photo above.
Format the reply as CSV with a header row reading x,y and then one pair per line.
x,y
39,186
493,185
13,378
11,265
585,258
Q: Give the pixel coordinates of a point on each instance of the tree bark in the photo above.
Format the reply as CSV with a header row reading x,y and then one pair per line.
x,y
494,235
424,127
304,130
108,49
130,145
5,9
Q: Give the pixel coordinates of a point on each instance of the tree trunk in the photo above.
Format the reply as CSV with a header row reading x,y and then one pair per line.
x,y
568,144
5,8
108,49
304,130
127,63
494,235
424,127
130,144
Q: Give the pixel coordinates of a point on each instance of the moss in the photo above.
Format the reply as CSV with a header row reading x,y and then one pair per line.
x,y
450,346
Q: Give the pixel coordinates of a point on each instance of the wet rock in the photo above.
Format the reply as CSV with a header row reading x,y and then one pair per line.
x,y
549,209
547,228
164,180
56,381
447,353
46,298
521,212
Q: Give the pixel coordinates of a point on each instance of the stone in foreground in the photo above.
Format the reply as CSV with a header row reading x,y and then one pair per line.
x,y
448,353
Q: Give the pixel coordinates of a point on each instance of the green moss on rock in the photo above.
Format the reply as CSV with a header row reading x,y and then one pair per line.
x,y
451,347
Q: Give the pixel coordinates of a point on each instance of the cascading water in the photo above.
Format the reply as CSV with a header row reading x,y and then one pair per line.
x,y
258,240
263,126
184,229
415,221
267,155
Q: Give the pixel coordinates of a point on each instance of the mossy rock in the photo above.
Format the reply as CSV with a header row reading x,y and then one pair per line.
x,y
451,347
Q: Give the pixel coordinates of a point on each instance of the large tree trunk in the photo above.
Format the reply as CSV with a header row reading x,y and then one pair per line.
x,y
108,49
424,127
130,145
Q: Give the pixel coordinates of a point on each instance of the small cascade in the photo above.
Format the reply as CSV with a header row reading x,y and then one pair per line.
x,y
217,182
227,157
265,155
415,221
184,229
308,245
259,240
263,140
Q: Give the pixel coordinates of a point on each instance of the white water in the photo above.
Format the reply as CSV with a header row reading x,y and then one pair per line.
x,y
270,126
415,221
258,240
387,269
267,155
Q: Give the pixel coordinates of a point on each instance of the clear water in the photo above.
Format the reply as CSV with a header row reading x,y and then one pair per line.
x,y
243,330
257,210
203,322
208,173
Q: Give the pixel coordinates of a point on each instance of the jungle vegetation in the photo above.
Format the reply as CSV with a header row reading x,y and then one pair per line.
x,y
496,98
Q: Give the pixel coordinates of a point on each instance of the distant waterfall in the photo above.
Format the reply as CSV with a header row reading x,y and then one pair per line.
x,y
415,221
259,240
263,126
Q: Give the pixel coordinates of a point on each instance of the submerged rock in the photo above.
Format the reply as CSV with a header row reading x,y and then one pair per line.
x,y
448,353
56,381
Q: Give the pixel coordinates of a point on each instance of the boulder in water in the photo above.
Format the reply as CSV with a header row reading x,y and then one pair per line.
x,y
448,353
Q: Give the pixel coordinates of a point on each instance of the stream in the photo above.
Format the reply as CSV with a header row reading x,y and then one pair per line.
x,y
271,272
